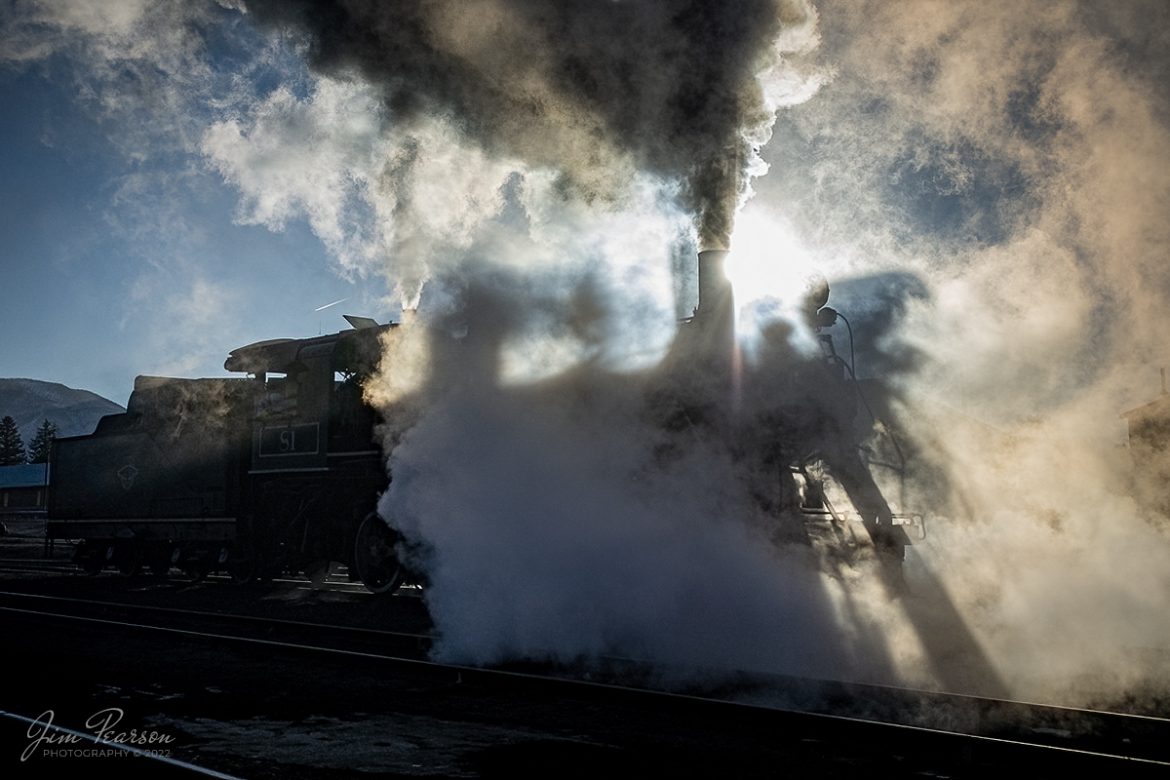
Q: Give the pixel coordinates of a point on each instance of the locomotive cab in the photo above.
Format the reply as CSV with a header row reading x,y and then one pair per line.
x,y
315,470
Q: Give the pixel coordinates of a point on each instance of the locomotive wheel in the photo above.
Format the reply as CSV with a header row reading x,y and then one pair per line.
x,y
377,564
196,571
159,562
93,563
246,565
318,571
248,562
129,560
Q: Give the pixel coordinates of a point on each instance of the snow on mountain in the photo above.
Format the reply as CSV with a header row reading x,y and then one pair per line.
x,y
75,412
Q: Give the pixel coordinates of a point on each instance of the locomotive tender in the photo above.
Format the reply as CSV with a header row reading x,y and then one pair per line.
x,y
279,471
258,475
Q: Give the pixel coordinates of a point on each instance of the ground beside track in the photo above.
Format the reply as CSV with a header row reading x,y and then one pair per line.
x,y
261,712
258,713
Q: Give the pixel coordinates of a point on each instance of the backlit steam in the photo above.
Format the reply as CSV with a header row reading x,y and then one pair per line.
x,y
998,173
554,525
593,90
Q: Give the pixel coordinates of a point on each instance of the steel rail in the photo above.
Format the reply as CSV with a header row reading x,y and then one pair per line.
x,y
462,673
229,616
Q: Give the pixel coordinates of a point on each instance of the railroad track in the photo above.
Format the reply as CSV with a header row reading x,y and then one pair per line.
x,y
974,731
335,582
37,566
227,626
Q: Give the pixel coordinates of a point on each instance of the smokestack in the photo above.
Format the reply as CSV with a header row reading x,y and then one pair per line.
x,y
716,311
715,315
714,286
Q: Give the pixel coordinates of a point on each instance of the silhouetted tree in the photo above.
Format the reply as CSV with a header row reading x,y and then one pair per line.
x,y
11,445
38,448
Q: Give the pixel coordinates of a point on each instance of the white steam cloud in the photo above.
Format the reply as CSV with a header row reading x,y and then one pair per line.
x,y
552,535
995,175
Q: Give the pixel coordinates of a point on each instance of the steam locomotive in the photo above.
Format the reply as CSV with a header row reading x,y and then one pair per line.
x,y
278,470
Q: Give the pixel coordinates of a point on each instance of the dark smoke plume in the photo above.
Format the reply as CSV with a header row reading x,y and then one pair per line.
x,y
585,87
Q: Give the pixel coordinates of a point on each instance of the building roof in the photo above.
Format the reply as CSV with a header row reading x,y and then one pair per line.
x,y
25,475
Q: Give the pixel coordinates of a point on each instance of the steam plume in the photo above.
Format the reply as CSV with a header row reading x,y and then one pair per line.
x,y
684,91
1010,160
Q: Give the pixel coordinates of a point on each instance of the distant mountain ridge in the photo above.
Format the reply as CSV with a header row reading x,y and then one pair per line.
x,y
74,412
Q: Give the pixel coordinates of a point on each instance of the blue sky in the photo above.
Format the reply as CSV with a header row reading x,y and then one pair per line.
x,y
71,269
120,260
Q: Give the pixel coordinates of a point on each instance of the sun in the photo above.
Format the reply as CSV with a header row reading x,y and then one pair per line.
x,y
767,260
